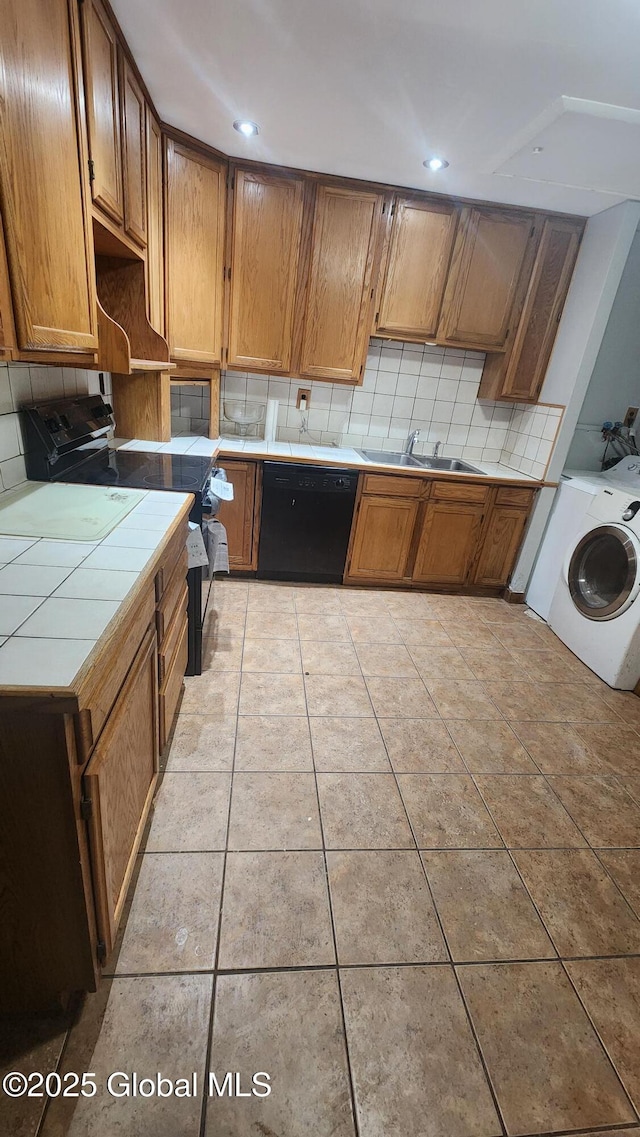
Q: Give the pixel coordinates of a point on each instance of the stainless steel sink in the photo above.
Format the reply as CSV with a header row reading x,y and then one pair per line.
x,y
390,458
393,458
454,465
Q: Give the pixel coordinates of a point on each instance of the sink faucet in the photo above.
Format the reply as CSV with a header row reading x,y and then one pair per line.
x,y
436,449
411,441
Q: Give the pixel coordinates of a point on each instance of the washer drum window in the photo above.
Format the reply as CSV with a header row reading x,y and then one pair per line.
x,y
602,572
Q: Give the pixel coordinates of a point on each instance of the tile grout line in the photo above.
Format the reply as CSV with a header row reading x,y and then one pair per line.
x,y
214,984
601,1041
350,1076
445,941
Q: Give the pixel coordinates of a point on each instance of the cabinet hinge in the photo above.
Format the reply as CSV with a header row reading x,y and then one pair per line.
x,y
92,174
86,808
101,951
377,317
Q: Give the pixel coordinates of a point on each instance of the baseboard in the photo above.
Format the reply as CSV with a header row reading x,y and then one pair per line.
x,y
513,597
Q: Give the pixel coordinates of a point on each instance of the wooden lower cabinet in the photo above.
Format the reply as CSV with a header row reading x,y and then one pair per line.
x,y
448,542
118,784
240,517
382,539
502,540
78,767
439,534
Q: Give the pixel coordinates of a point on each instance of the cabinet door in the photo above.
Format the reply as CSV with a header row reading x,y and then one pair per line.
x,y
344,251
134,155
448,542
382,538
502,539
485,267
194,249
155,235
44,180
239,516
420,245
119,780
267,226
533,344
103,108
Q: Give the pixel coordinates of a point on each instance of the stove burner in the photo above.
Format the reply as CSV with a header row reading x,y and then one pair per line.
x,y
187,482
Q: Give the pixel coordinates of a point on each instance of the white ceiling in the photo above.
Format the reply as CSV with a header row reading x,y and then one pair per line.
x,y
369,88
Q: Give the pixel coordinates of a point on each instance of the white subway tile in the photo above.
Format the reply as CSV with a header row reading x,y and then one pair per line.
x,y
478,436
386,383
462,413
378,426
9,437
410,364
402,406
458,435
6,400
443,410
423,408
407,385
447,389
20,381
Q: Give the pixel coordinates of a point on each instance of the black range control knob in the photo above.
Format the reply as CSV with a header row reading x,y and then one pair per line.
x,y
52,424
340,483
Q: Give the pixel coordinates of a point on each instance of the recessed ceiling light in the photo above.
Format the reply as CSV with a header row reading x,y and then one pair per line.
x,y
435,163
246,126
537,150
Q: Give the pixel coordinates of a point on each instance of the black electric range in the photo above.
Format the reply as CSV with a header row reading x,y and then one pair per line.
x,y
66,441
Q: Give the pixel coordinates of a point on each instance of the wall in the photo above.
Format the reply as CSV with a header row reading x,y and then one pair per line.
x,y
615,381
22,383
603,254
406,387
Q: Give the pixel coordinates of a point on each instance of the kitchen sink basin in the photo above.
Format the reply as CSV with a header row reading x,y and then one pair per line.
x,y
391,458
454,465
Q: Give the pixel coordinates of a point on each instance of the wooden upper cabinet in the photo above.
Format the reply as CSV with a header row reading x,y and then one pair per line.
x,y
520,374
102,83
44,179
417,263
265,250
7,330
487,260
134,154
345,249
194,251
155,226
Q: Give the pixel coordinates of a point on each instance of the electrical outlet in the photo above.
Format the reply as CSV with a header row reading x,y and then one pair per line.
x,y
631,416
304,399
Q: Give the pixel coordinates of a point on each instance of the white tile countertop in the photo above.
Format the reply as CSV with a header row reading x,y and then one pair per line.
x,y
292,451
58,597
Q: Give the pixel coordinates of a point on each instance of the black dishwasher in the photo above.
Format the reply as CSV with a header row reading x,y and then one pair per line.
x,y
306,521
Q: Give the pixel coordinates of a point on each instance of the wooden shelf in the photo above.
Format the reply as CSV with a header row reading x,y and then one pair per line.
x,y
150,365
127,341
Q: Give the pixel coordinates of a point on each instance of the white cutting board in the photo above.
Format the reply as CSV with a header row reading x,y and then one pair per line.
x,y
65,512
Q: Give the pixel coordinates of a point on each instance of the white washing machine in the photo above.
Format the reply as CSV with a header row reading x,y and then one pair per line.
x,y
596,607
572,500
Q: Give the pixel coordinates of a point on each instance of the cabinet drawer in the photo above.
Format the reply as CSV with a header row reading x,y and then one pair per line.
x,y
514,495
171,598
167,567
392,487
168,646
460,491
172,685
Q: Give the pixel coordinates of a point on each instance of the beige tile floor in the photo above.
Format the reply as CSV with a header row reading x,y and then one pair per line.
x,y
394,863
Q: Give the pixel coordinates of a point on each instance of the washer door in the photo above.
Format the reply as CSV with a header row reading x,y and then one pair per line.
x,y
603,572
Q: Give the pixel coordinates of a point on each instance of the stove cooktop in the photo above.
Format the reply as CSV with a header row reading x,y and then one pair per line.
x,y
143,469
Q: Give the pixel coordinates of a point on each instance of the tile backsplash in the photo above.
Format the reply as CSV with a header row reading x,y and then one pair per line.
x,y
406,387
22,383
